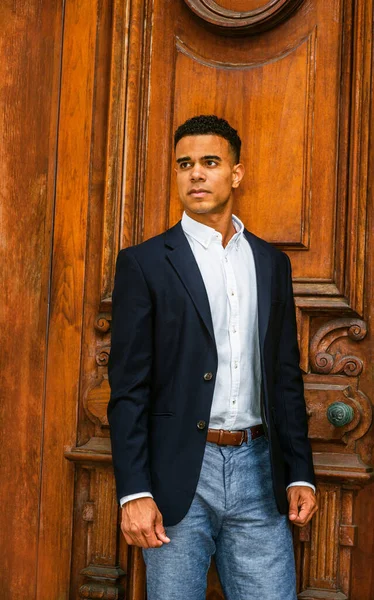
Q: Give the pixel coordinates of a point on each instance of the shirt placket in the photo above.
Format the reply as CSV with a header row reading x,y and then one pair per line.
x,y
234,335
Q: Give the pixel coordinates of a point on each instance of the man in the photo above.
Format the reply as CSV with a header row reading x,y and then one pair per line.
x,y
207,415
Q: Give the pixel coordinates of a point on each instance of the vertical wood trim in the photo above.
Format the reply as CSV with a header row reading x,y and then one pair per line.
x,y
67,289
136,121
136,583
345,550
359,153
115,141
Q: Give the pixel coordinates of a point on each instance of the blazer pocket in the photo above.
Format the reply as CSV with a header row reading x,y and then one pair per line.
x,y
162,414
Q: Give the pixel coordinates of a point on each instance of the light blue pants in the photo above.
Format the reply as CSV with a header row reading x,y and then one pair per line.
x,y
234,516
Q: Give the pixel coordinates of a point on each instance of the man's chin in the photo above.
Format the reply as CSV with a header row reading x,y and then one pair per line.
x,y
202,211
201,208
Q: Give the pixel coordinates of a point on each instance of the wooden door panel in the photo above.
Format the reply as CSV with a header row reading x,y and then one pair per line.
x,y
297,93
30,46
269,103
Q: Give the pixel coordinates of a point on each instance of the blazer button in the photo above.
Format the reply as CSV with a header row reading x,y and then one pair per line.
x,y
201,424
208,376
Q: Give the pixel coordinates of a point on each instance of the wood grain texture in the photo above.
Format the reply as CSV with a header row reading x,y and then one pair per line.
x,y
30,49
131,71
303,113
362,587
67,291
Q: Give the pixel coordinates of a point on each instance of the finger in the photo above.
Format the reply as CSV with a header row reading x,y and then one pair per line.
x,y
160,530
142,538
293,511
150,538
305,514
310,515
143,541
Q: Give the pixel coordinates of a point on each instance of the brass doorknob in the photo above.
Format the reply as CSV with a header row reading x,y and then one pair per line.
x,y
340,414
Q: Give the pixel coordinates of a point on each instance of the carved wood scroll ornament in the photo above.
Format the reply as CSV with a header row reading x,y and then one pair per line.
x,y
264,16
102,323
322,357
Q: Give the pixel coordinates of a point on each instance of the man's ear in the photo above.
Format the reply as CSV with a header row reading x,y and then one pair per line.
x,y
237,175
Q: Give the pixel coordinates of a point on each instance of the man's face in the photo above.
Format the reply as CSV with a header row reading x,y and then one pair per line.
x,y
206,173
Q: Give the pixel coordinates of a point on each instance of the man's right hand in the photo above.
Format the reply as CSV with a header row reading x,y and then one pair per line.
x,y
142,524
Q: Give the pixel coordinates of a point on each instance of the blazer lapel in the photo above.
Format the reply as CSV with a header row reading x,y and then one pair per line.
x,y
263,275
181,257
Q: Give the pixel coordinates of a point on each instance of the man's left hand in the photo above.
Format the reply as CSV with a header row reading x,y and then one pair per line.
x,y
302,504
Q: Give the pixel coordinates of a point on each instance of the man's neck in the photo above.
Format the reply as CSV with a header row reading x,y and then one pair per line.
x,y
221,222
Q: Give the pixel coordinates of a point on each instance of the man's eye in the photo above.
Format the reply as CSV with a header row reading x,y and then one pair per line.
x,y
184,165
211,163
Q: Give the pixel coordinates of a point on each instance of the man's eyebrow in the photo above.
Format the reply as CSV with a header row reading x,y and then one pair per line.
x,y
206,157
211,157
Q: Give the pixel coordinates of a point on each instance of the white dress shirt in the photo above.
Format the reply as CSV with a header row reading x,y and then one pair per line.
x,y
229,277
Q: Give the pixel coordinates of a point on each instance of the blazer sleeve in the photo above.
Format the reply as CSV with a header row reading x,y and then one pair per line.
x,y
291,418
129,369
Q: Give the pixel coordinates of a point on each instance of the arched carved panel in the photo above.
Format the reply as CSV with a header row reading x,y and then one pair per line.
x,y
246,16
279,90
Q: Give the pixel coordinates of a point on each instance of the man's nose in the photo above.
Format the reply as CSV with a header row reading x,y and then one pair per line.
x,y
197,173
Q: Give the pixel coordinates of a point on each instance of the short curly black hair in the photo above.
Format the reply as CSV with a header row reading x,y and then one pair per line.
x,y
210,125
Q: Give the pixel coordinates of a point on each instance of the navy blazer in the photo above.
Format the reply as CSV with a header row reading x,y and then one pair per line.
x,y
163,345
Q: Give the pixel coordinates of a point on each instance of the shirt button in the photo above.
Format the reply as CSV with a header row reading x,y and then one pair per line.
x,y
233,330
201,424
208,376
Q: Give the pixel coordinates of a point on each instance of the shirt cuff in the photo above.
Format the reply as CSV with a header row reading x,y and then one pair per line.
x,y
125,499
306,483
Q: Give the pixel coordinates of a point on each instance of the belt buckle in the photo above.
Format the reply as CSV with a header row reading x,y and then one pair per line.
x,y
220,436
243,437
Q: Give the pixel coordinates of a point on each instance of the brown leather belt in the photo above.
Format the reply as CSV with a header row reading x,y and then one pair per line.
x,y
233,438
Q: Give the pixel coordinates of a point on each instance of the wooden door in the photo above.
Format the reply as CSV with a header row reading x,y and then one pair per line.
x,y
294,77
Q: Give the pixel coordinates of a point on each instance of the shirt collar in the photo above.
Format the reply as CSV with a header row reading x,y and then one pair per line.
x,y
205,234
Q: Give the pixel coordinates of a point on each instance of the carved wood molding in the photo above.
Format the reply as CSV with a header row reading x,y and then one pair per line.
x,y
126,115
321,564
103,322
255,20
102,357
320,396
102,575
91,591
97,398
322,357
96,450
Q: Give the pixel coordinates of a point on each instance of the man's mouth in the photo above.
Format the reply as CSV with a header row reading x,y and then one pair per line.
x,y
198,192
